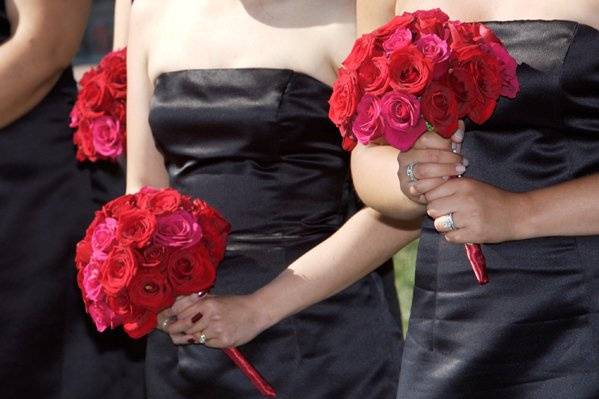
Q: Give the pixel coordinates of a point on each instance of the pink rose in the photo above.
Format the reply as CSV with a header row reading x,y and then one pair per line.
x,y
403,121
103,316
107,136
179,230
91,282
398,40
509,80
437,51
102,238
368,125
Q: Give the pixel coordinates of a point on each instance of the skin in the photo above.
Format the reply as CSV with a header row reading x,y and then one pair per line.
x,y
45,36
122,11
484,213
299,39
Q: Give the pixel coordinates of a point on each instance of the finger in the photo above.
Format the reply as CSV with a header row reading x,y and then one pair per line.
x,y
187,318
431,140
458,135
447,189
200,324
424,186
460,236
164,318
433,170
184,302
442,206
183,339
448,222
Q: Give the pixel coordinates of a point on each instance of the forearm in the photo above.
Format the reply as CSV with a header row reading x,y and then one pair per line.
x,y
567,209
374,172
122,11
357,248
373,13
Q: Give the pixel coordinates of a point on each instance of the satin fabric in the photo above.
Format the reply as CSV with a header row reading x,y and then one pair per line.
x,y
48,345
533,331
257,144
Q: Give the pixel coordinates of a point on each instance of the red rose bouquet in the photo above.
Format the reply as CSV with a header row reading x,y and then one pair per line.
x,y
99,112
421,72
142,251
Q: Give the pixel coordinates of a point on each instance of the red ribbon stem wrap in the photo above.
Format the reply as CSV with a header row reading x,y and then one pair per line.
x,y
477,262
250,372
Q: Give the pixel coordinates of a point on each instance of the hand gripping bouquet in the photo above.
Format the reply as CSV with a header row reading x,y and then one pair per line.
x,y
421,72
142,251
99,115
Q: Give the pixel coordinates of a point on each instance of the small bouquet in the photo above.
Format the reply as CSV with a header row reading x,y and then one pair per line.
x,y
421,72
142,251
99,114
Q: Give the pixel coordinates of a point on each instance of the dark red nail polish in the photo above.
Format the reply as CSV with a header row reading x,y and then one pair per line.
x,y
196,318
172,319
191,341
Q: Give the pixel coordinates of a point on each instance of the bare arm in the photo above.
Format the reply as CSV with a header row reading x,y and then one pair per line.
x,y
363,243
122,11
373,13
145,164
45,37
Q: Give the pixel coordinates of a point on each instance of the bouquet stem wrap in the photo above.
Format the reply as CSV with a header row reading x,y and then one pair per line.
x,y
250,372
478,263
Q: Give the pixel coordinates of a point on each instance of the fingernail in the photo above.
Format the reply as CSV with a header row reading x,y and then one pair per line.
x,y
191,341
196,318
460,168
172,319
465,162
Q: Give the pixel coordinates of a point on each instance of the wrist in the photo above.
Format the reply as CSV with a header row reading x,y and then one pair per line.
x,y
265,316
523,216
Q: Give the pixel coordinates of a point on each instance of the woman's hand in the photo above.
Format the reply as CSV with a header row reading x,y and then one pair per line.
x,y
224,321
481,213
431,162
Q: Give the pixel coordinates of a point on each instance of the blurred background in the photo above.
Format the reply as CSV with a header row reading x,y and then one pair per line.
x,y
98,41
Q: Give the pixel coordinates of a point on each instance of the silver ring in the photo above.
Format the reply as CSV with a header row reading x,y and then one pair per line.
x,y
410,172
448,222
164,324
202,339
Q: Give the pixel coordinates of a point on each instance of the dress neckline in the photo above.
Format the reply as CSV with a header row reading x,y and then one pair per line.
x,y
164,74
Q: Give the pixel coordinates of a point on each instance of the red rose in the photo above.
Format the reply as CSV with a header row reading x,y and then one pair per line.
x,y
83,254
118,270
398,22
345,97
430,21
114,68
373,76
118,111
410,71
120,304
120,205
440,108
485,87
154,256
136,227
95,97
159,202
151,291
215,229
84,141
363,49
142,323
191,270
349,143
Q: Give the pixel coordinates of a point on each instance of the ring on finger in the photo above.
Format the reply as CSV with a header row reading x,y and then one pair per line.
x,y
164,324
202,339
449,223
410,172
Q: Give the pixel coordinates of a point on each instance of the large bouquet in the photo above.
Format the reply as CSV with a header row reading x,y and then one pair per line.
x,y
142,251
421,72
99,112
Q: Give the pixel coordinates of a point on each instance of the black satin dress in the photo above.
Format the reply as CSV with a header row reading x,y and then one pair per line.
x,y
48,346
257,144
533,331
